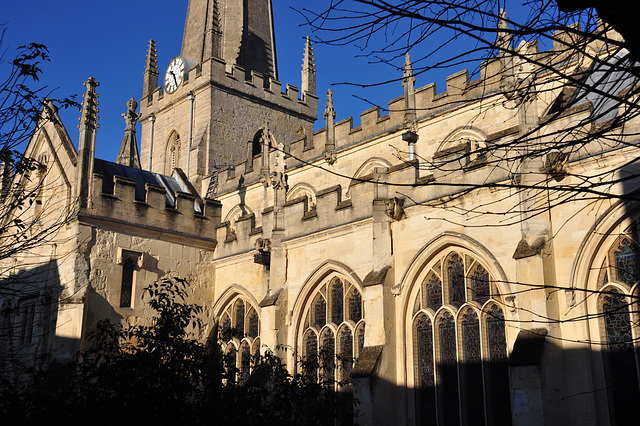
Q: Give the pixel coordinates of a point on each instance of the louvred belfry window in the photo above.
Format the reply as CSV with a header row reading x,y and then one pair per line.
x,y
460,365
333,332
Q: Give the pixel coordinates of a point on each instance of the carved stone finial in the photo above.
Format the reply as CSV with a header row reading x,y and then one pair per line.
x,y
152,57
128,155
504,37
308,69
330,134
408,81
150,70
86,143
90,104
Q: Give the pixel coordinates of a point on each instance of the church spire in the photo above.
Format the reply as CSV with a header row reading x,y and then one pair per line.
x,y
128,155
150,70
308,69
246,38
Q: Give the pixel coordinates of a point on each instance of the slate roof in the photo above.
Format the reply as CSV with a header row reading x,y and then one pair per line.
x,y
141,177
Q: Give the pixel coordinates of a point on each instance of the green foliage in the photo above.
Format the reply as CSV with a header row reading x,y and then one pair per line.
x,y
161,373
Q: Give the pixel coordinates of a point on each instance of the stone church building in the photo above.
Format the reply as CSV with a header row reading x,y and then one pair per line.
x,y
451,276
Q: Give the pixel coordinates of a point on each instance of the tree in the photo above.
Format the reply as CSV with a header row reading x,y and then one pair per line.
x,y
160,372
588,70
575,99
29,220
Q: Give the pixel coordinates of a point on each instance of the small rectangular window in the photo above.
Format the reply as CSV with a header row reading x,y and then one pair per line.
x,y
26,319
129,265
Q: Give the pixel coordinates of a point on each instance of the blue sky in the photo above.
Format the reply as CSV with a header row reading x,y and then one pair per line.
x,y
108,40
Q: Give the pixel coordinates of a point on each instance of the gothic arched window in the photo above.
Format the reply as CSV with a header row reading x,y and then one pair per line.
x,y
618,309
333,331
239,337
459,345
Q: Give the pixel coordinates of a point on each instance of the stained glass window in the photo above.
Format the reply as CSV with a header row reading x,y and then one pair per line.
x,y
254,325
320,311
424,352
245,362
472,369
497,369
230,363
327,358
360,337
355,307
480,285
434,292
626,262
455,270
243,314
347,344
448,370
465,384
622,382
311,352
240,318
424,370
337,301
346,352
226,328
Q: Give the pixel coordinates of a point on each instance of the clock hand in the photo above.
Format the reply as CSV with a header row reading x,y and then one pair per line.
x,y
174,78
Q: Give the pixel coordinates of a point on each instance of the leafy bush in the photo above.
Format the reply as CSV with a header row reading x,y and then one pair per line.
x,y
161,373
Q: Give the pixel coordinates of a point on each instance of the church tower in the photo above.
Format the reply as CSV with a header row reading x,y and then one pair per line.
x,y
215,97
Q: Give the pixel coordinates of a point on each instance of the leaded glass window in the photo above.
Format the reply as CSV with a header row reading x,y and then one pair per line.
x,y
320,311
337,301
455,275
346,352
254,329
621,369
240,317
434,292
334,350
626,262
239,328
472,369
360,337
497,369
424,370
480,285
245,362
448,370
451,364
617,320
328,357
355,307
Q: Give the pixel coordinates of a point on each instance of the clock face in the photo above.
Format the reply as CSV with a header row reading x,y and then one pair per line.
x,y
174,75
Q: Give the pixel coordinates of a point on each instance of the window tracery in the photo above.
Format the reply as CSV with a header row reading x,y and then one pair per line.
x,y
334,330
239,330
459,344
617,314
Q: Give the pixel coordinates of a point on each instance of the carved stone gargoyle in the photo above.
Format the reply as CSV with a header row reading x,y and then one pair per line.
x,y
395,208
263,252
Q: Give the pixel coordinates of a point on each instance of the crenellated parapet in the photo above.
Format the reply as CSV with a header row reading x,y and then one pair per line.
x,y
153,211
330,210
233,79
